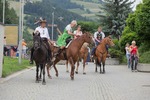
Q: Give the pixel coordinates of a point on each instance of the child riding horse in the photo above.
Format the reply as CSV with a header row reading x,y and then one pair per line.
x,y
101,53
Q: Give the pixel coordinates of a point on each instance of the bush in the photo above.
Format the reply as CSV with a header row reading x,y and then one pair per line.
x,y
128,38
116,54
145,57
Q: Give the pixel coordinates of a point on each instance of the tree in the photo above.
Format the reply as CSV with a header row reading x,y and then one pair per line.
x,y
113,15
10,14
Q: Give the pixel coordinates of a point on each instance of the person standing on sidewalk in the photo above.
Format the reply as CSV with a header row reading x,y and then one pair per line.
x,y
127,48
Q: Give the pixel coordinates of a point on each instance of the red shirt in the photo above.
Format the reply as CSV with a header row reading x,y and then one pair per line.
x,y
134,50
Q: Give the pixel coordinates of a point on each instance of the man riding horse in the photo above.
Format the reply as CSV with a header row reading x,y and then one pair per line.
x,y
66,37
45,37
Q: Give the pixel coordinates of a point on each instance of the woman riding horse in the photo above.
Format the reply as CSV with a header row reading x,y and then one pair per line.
x,y
65,38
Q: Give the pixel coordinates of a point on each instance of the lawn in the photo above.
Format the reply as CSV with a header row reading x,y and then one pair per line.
x,y
11,66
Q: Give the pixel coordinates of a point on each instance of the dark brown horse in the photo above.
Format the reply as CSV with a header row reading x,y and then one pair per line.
x,y
71,53
83,54
39,56
101,53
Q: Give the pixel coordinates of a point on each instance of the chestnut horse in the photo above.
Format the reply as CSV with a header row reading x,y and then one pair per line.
x,y
101,53
83,54
71,53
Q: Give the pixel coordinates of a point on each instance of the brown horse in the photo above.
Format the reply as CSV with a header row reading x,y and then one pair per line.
x,y
83,54
71,53
101,53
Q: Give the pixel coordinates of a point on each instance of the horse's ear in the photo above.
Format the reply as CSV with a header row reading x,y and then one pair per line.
x,y
33,33
109,36
38,33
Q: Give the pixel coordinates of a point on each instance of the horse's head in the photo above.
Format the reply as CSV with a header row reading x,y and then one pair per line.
x,y
88,38
36,40
109,41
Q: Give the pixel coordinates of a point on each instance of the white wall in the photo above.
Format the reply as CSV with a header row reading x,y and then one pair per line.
x,y
1,47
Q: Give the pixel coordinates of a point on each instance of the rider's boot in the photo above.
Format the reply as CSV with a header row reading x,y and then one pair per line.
x,y
57,53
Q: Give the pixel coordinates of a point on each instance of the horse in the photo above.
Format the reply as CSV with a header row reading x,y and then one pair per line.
x,y
101,53
83,54
71,53
39,56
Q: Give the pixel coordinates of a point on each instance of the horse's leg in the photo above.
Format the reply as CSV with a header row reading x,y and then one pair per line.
x,y
96,64
54,65
67,66
44,82
48,67
99,63
103,67
77,67
72,68
41,69
84,60
37,72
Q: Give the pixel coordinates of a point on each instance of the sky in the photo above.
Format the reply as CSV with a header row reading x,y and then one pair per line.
x,y
136,3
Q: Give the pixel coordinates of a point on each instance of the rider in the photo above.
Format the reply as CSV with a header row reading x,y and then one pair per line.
x,y
45,37
98,36
66,37
78,32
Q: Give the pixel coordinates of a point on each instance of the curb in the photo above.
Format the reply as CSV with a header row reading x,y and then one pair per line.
x,y
2,80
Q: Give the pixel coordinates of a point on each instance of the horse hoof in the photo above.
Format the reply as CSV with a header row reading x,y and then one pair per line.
x,y
56,75
50,77
37,81
43,83
72,78
84,73
76,72
67,71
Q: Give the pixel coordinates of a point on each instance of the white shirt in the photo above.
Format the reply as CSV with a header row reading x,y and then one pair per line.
x,y
95,34
43,32
127,50
68,28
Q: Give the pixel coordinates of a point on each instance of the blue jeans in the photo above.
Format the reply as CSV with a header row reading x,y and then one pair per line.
x,y
128,60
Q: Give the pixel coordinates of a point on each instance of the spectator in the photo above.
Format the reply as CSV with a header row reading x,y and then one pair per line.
x,y
5,48
128,54
134,56
13,51
24,48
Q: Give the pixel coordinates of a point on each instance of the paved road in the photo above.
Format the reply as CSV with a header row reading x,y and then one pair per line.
x,y
119,83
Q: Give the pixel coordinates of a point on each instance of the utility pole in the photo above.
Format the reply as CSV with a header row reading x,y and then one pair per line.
x,y
52,25
53,14
3,11
21,28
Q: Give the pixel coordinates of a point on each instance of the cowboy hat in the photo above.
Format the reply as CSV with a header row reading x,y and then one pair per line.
x,y
43,20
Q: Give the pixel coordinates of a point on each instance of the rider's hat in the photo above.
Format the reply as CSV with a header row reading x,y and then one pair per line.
x,y
43,20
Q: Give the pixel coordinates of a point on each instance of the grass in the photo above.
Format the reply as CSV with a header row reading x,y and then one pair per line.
x,y
11,66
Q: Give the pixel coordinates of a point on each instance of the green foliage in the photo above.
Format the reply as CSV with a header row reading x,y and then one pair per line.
x,y
142,21
88,26
11,66
144,47
116,54
145,57
114,15
128,38
10,14
44,9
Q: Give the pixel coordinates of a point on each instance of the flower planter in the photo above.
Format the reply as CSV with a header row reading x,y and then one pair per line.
x,y
143,67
